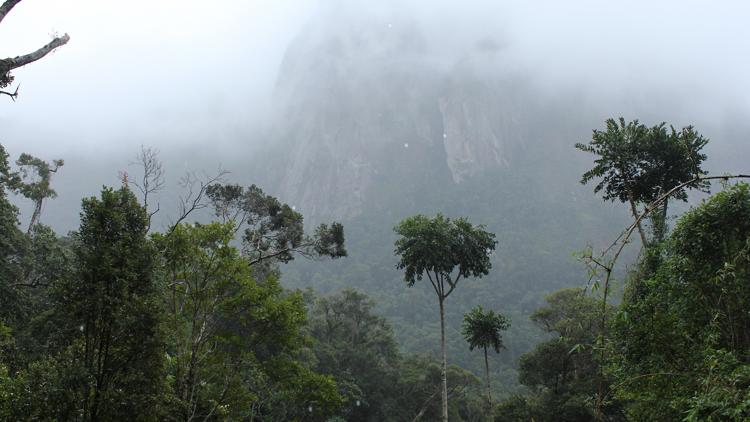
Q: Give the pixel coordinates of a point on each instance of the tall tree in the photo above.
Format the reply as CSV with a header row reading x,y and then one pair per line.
x,y
637,164
114,302
445,251
482,329
11,63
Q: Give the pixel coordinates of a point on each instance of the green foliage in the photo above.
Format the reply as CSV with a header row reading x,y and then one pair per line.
x,y
39,174
418,391
112,325
274,231
482,329
639,163
562,372
682,343
357,348
724,392
113,310
515,408
232,341
12,243
439,245
540,210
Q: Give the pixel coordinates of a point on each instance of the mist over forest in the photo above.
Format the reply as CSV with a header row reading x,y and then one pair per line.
x,y
323,142
675,62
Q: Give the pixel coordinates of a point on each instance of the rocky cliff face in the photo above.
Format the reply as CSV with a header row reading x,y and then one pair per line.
x,y
368,98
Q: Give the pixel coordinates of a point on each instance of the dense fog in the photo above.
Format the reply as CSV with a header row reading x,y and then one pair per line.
x,y
199,82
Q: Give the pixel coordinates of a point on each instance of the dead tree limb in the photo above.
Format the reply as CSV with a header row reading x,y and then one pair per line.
x,y
13,95
152,180
6,6
194,197
11,63
6,65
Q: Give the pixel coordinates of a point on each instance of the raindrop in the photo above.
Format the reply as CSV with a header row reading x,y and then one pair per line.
x,y
406,145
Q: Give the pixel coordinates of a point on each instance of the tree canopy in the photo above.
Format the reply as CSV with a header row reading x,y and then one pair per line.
x,y
637,164
483,329
444,250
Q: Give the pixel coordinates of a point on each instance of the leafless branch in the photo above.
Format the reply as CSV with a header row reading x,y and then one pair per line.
x,y
6,6
6,65
152,180
13,95
195,192
11,63
301,250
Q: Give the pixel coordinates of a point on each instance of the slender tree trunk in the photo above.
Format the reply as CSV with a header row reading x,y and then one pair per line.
x,y
489,388
660,223
35,215
444,369
634,210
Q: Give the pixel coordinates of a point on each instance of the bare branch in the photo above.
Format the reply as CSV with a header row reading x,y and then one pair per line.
x,y
452,283
13,95
5,8
624,238
152,180
193,199
299,250
11,63
434,283
6,65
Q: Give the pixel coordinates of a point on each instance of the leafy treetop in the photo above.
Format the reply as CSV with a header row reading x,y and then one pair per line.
x,y
482,329
438,246
639,163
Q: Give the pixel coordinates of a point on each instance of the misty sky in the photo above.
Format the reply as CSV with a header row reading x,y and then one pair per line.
x,y
171,72
176,74
159,72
